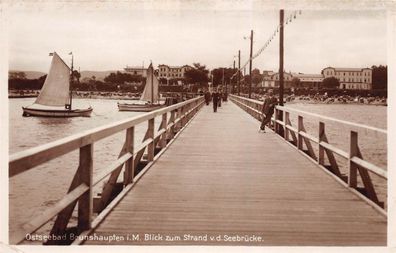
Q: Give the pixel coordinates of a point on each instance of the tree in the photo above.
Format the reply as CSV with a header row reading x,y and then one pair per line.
x,y
197,74
17,75
121,78
76,75
163,80
380,77
218,75
330,83
257,78
295,82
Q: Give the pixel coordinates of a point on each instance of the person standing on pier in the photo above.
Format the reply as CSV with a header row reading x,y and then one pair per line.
x,y
220,94
207,97
268,109
215,97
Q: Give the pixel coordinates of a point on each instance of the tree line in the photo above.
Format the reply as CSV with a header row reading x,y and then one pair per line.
x,y
197,77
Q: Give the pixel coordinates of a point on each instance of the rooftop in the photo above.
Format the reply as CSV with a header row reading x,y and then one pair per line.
x,y
347,69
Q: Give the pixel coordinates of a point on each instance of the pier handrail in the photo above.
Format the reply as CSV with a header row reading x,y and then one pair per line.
x,y
27,159
82,184
298,137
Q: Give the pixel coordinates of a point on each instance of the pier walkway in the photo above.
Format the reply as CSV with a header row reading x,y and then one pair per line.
x,y
223,183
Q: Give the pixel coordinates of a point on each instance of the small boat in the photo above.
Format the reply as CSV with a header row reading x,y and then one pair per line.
x,y
149,101
55,98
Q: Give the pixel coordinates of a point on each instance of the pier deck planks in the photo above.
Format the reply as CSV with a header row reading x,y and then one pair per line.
x,y
222,177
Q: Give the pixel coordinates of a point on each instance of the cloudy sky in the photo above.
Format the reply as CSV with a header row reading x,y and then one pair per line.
x,y
111,38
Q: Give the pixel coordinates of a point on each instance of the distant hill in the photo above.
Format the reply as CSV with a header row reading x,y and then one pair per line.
x,y
99,75
30,74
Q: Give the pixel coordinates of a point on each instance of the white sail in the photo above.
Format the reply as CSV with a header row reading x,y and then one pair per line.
x,y
150,92
55,91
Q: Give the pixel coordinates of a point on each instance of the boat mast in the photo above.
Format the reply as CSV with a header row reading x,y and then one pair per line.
x,y
71,81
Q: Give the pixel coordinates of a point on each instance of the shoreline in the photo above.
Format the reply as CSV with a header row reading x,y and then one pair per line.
x,y
334,103
134,96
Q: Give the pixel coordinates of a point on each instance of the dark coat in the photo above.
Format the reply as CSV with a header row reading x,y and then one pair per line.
x,y
269,105
215,97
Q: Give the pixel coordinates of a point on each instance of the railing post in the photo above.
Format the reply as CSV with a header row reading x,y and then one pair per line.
x,y
181,116
275,126
353,151
300,137
189,107
286,132
85,202
320,139
150,147
129,172
171,132
164,126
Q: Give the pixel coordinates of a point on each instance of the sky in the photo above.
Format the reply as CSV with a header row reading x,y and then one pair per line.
x,y
113,37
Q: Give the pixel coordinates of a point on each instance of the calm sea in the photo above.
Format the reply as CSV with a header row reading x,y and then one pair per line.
x,y
31,192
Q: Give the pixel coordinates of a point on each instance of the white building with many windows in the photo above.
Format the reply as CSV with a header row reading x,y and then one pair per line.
x,y
271,80
351,78
172,72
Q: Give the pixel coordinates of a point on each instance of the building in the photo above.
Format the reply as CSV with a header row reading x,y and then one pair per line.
x,y
172,72
141,70
351,78
271,79
310,81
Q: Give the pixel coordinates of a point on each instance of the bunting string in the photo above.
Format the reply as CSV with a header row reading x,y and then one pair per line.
x,y
287,21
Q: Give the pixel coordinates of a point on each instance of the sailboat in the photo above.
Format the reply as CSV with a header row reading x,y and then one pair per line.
x,y
55,98
149,100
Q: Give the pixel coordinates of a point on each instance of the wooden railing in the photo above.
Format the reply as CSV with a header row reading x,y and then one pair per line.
x,y
81,187
302,140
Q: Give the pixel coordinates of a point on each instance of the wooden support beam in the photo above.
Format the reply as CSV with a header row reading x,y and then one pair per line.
x,y
353,151
85,202
321,138
164,125
293,134
129,168
299,128
329,153
367,183
151,146
62,220
286,131
171,131
109,186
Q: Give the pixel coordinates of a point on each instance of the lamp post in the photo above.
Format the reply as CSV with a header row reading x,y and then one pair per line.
x,y
281,77
279,115
232,85
250,64
239,72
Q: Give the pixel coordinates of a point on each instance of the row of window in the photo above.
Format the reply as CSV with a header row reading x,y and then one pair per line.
x,y
329,72
355,86
355,80
170,75
172,70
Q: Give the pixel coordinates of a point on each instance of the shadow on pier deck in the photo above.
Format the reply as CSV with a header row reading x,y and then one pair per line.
x,y
223,183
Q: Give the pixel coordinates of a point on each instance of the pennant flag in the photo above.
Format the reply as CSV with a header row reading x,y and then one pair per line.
x,y
51,54
70,53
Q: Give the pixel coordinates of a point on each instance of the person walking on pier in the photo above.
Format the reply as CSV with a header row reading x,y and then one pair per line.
x,y
268,109
215,97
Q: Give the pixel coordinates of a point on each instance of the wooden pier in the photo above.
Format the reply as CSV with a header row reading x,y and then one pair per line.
x,y
222,177
221,182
